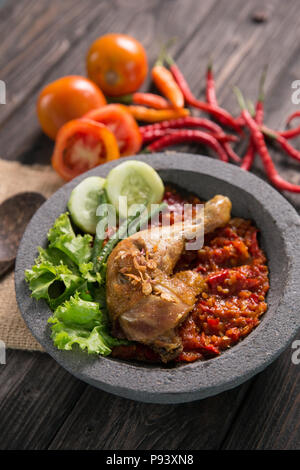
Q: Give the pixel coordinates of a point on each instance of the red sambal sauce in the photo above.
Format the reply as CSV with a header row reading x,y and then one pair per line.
x,y
236,274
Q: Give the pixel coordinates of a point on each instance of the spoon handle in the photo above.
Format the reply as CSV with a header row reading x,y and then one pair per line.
x,y
6,266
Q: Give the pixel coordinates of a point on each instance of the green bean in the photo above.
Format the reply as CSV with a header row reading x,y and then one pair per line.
x,y
132,225
98,242
136,226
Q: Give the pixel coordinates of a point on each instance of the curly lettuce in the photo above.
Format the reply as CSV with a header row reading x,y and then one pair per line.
x,y
53,280
64,276
81,322
77,248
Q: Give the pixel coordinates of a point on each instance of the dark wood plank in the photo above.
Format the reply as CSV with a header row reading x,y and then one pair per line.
x,y
102,421
43,33
270,415
36,396
142,20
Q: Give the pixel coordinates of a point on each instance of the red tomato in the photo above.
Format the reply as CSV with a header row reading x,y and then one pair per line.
x,y
122,124
82,144
117,63
65,99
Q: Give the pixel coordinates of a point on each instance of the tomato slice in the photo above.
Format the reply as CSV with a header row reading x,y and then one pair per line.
x,y
82,144
122,124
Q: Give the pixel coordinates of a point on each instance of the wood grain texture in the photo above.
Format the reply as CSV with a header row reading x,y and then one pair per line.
x,y
101,421
36,396
270,414
41,405
41,37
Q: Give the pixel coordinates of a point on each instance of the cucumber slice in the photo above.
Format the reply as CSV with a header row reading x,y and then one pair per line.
x,y
136,180
84,201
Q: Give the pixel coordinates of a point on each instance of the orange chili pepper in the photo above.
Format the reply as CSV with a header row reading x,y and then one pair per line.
x,y
141,113
166,83
150,99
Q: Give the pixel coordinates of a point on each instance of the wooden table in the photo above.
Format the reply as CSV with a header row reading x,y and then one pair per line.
x,y
41,405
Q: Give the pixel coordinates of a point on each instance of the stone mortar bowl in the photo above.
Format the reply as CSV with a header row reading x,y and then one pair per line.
x,y
252,198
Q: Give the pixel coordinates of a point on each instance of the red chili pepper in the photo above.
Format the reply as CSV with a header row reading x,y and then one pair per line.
x,y
250,154
192,121
218,278
213,322
259,110
200,269
211,98
157,133
150,99
210,348
231,153
183,122
233,333
254,248
189,356
284,144
203,307
216,111
186,122
290,133
261,148
254,297
293,116
154,134
248,157
210,91
259,118
187,135
240,121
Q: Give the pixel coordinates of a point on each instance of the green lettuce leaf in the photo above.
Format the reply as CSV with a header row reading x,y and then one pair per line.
x,y
52,283
78,321
56,257
64,337
79,312
62,236
86,270
64,276
63,267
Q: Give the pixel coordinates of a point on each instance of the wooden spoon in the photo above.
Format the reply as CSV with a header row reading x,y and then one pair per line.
x,y
15,213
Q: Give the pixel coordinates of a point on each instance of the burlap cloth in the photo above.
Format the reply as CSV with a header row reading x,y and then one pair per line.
x,y
15,178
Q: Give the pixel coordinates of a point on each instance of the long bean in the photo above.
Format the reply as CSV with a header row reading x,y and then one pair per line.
x,y
137,224
130,225
98,242
113,240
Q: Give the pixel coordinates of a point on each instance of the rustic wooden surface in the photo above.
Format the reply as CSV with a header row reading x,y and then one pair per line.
x,y
41,405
